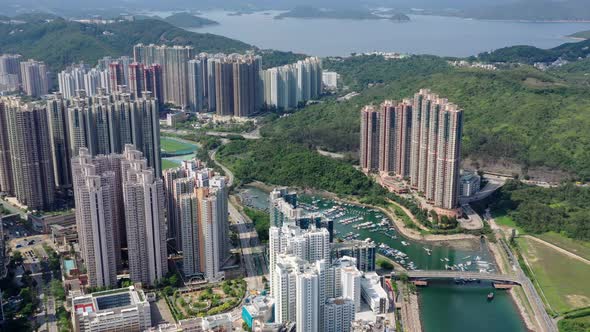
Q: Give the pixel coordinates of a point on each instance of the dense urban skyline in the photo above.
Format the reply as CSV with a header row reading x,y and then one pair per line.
x,y
144,190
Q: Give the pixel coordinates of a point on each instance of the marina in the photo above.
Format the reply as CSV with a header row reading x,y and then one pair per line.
x,y
357,222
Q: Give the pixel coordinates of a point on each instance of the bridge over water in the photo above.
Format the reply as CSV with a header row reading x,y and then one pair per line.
x,y
443,274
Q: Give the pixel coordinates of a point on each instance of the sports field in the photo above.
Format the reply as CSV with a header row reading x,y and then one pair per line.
x,y
562,279
167,164
580,248
172,146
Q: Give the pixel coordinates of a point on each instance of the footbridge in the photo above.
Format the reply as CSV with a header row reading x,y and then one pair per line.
x,y
443,274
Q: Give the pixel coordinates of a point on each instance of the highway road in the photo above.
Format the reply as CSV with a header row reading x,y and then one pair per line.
x,y
252,257
545,322
250,245
494,183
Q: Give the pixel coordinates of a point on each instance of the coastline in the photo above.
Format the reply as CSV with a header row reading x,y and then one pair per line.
x,y
522,311
460,241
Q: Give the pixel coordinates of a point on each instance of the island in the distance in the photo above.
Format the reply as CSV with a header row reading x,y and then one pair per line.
x,y
188,20
352,14
581,35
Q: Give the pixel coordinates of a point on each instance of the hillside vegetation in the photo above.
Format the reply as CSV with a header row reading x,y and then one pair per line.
x,y
61,42
187,20
281,163
519,115
537,210
581,34
530,54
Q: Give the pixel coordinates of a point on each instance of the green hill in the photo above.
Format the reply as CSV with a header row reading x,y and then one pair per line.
x,y
581,34
521,115
62,42
530,54
187,20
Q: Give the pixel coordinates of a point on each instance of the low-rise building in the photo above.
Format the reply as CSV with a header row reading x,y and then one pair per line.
x,y
259,308
221,322
63,235
174,118
330,80
469,184
42,222
373,293
379,325
124,309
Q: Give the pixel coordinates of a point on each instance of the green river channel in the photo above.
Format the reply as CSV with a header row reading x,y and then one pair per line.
x,y
444,306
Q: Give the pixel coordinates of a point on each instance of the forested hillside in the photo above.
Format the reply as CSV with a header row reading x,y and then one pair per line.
x,y
529,54
563,209
521,115
61,42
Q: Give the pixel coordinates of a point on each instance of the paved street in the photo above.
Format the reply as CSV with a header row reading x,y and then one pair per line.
x,y
543,319
494,183
251,249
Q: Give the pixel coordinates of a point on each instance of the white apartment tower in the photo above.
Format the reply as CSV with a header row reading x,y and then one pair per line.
x,y
143,196
95,196
35,82
307,302
351,285
339,314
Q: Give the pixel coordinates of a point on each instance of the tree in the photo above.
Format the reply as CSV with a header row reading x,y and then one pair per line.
x,y
57,290
403,277
169,291
17,258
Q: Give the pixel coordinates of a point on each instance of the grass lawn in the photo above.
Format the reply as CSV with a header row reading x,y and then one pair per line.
x,y
580,248
400,213
579,324
504,220
170,145
167,164
563,280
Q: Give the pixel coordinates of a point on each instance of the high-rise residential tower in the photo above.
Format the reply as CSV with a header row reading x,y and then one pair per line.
x,y
287,86
95,182
174,63
196,93
58,138
339,313
72,79
143,197
436,148
307,302
403,136
237,84
136,77
419,140
10,75
6,184
35,81
116,75
153,82
370,135
30,154
197,211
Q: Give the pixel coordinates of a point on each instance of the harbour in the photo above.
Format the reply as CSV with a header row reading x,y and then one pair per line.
x,y
462,298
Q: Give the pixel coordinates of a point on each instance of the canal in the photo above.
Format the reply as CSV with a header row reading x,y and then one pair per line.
x,y
444,306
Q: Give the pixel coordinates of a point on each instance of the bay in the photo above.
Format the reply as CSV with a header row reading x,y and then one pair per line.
x,y
436,35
